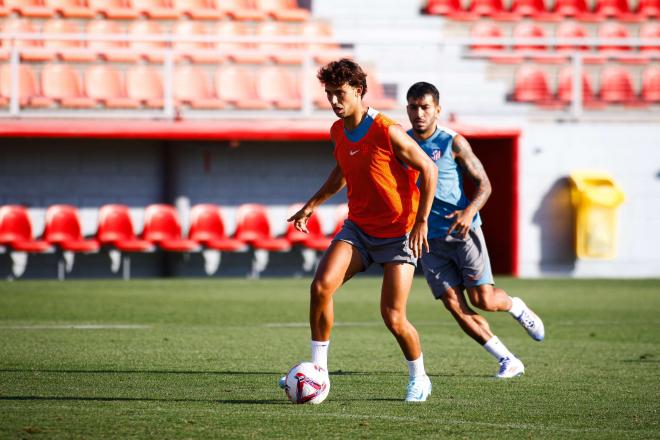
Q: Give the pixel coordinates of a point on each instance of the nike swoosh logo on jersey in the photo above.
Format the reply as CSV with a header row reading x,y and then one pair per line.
x,y
353,152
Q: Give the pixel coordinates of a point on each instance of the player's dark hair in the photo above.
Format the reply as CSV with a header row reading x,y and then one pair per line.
x,y
344,71
420,89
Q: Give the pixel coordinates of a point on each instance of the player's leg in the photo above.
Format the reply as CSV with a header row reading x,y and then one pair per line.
x,y
473,324
397,280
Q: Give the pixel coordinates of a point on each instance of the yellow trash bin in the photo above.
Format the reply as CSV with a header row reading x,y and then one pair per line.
x,y
595,197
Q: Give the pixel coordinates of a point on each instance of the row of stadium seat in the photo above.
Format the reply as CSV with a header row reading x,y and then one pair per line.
x,y
532,85
162,231
133,47
142,86
538,10
255,10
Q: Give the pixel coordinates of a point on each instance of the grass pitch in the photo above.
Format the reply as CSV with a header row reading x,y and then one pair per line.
x,y
172,359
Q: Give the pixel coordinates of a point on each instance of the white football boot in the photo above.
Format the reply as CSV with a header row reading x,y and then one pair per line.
x,y
510,367
530,321
419,389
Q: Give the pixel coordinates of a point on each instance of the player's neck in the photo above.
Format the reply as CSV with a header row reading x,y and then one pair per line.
x,y
424,135
353,120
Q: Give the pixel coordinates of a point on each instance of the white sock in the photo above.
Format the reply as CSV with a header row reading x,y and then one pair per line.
x,y
320,353
498,350
517,307
416,367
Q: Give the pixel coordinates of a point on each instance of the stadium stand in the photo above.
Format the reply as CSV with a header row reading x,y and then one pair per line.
x,y
156,9
198,9
237,86
278,87
30,50
238,52
194,51
71,49
143,42
16,235
649,8
242,10
63,84
565,89
29,8
114,9
279,53
616,86
107,49
285,10
107,86
29,90
70,8
532,85
193,87
651,85
145,84
162,227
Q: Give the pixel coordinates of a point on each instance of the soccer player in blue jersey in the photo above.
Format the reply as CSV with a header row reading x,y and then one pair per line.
x,y
458,258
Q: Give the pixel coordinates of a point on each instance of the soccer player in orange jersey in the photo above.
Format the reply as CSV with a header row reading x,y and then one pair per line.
x,y
387,220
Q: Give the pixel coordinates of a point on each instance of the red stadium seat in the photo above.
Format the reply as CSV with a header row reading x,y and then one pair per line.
x,y
195,51
449,8
70,8
62,83
236,86
198,9
616,30
649,8
243,52
281,53
376,94
16,231
145,84
208,228
116,230
193,87
565,89
116,9
491,8
540,53
156,9
241,10
615,9
162,226
651,85
64,230
574,8
286,10
151,50
572,30
531,85
30,50
68,50
616,86
253,227
534,9
486,30
106,84
109,50
650,31
29,8
276,85
29,91
315,239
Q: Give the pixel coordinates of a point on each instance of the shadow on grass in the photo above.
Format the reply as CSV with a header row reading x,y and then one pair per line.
x,y
138,399
37,370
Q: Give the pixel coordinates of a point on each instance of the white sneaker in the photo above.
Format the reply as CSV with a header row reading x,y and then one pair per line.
x,y
419,389
510,367
531,322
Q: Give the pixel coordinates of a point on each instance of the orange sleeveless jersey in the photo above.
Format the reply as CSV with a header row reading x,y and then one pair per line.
x,y
382,192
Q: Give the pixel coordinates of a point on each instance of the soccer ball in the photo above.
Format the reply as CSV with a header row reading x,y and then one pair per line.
x,y
307,383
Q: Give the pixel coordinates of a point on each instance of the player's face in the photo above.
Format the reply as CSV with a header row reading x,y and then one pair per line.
x,y
423,113
343,99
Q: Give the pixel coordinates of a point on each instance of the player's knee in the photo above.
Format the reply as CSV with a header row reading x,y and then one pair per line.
x,y
481,299
451,303
321,288
395,320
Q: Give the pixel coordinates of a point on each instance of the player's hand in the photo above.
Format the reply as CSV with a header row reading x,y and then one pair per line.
x,y
300,218
462,223
417,239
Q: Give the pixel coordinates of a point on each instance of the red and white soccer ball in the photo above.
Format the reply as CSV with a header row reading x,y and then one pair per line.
x,y
307,383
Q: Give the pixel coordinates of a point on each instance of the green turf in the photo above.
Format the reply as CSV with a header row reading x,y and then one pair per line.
x,y
205,361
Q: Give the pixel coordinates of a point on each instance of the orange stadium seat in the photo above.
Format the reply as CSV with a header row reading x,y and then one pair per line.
x,y
109,50
651,85
64,230
565,89
280,53
241,10
195,51
208,228
616,86
323,52
192,87
29,8
71,8
145,84
649,8
68,50
116,9
162,227
106,85
615,9
277,86
491,8
198,9
237,86
29,90
62,83
243,52
30,50
315,239
253,227
150,50
116,229
531,85
16,231
375,96
286,10
156,9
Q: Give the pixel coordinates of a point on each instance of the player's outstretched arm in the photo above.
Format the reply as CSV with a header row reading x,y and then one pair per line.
x,y
466,158
410,153
332,185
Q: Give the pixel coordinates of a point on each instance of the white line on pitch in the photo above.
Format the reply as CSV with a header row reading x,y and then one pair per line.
x,y
76,327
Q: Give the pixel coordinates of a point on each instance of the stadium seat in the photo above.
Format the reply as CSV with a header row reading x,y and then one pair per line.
x,y
198,9
116,51
493,9
145,84
63,229
162,227
236,86
280,53
651,85
616,30
315,240
243,52
616,86
277,86
534,9
650,31
3,10
106,85
29,8
208,228
452,9
116,232
30,50
194,51
285,10
192,87
29,90
63,84
486,30
615,9
649,8
531,85
253,227
114,9
572,30
323,53
539,53
575,9
241,10
156,9
68,50
16,234
151,50
565,89
71,8
376,96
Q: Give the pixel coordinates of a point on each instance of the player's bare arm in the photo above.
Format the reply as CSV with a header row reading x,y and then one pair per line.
x,y
333,184
407,150
466,158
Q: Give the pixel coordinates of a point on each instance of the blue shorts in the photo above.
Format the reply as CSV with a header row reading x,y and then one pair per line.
x,y
374,249
456,261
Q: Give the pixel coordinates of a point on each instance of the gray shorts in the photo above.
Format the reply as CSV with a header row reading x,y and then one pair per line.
x,y
376,250
455,262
